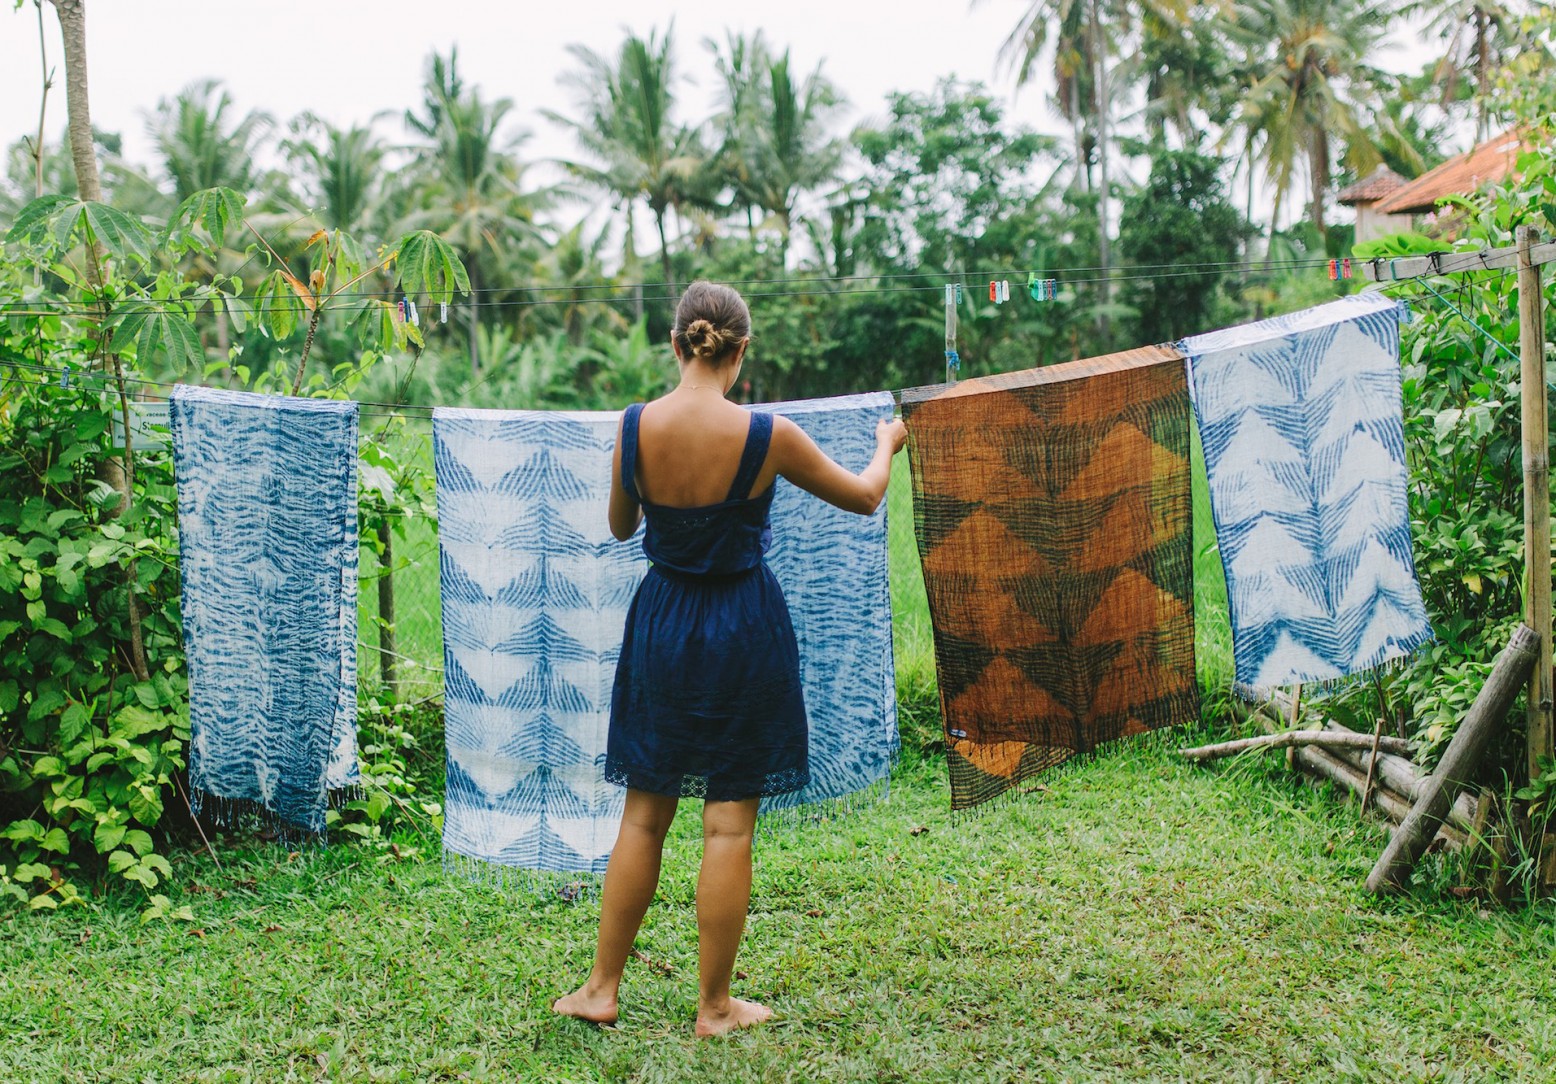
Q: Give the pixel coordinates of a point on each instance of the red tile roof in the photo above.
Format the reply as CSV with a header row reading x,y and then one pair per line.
x,y
1383,181
1489,163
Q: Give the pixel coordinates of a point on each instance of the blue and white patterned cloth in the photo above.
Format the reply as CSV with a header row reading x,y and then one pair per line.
x,y
1300,418
535,596
833,567
267,518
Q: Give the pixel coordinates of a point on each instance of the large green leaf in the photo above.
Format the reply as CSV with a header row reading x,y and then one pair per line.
x,y
119,234
32,223
213,208
425,264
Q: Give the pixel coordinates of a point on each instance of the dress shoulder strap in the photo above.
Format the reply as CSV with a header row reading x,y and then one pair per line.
x,y
629,451
758,438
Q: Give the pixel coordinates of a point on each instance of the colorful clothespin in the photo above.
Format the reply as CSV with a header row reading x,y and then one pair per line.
x,y
958,293
1334,270
1345,268
64,377
401,309
994,291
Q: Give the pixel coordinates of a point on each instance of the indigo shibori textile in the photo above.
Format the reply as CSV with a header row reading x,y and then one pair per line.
x,y
1053,516
535,596
267,519
1304,447
833,568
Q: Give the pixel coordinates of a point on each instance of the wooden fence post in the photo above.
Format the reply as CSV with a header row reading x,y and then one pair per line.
x,y
1537,495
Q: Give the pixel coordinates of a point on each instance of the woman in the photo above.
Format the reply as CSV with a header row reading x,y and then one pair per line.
x,y
707,701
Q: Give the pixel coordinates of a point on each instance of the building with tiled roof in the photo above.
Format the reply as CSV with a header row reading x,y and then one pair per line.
x,y
1366,194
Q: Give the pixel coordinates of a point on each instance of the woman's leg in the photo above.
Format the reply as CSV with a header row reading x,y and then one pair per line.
x,y
630,880
723,895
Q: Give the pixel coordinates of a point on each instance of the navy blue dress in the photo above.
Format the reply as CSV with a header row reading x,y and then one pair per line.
x,y
707,701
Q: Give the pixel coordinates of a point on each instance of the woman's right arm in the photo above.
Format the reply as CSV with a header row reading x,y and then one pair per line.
x,y
807,466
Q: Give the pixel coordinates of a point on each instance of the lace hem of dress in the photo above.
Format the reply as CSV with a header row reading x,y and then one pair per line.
x,y
678,785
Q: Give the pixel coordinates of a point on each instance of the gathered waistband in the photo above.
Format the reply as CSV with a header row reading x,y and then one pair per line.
x,y
704,577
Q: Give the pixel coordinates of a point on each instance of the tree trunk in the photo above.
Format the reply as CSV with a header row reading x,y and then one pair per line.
x,y
1318,155
664,249
72,26
1100,61
386,641
1482,73
1459,762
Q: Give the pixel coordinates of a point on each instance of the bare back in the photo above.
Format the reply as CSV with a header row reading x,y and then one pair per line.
x,y
689,451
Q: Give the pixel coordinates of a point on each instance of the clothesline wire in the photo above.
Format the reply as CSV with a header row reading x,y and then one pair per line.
x,y
1087,275
380,409
63,306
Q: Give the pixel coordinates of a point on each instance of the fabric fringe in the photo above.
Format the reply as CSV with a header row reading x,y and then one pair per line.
x,y
1261,694
770,822
565,886
1039,783
247,812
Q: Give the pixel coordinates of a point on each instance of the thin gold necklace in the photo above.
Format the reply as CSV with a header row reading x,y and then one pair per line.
x,y
707,387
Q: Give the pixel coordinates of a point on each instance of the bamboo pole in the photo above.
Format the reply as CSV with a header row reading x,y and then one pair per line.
x,y
1537,495
1458,765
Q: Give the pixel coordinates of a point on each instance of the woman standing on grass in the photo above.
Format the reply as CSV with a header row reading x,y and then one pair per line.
x,y
707,701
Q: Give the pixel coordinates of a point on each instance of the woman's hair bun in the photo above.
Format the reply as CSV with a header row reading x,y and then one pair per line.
x,y
711,321
706,340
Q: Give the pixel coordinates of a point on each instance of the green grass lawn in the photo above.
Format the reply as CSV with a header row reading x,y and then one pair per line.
x,y
1137,920
1133,919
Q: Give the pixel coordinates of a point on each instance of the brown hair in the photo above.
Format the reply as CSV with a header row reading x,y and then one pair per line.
x,y
711,323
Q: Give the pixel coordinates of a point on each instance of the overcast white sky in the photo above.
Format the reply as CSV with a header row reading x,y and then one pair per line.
x,y
347,59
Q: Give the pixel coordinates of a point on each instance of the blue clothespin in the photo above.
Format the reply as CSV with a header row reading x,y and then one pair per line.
x,y
953,360
64,377
1035,286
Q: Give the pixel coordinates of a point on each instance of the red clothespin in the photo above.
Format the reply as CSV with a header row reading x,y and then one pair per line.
x,y
994,291
402,310
1345,270
1334,270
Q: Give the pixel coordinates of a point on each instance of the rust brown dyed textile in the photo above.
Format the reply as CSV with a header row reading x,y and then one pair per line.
x,y
1054,518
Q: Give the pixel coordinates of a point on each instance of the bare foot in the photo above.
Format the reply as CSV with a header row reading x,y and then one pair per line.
x,y
736,1014
597,1007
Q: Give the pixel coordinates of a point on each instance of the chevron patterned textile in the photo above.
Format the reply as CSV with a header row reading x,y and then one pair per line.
x,y
833,566
535,596
1054,517
267,521
1300,418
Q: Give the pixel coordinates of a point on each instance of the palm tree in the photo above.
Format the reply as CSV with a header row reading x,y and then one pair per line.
x,y
339,168
1481,36
1087,36
1307,82
200,142
776,129
627,128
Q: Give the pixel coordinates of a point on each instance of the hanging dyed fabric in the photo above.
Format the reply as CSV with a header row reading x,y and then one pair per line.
x,y
267,525
1054,525
535,596
833,568
1300,418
